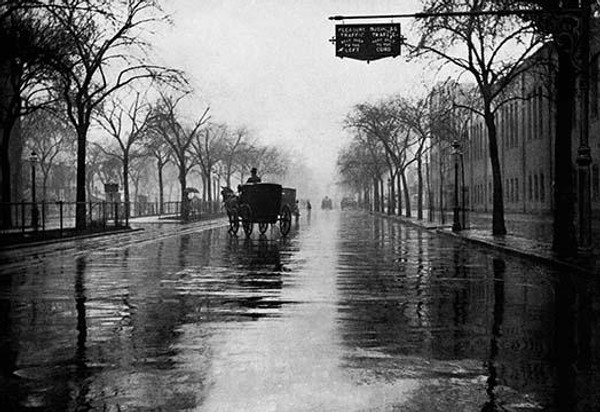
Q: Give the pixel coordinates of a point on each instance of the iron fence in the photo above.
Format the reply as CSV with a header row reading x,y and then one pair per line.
x,y
45,216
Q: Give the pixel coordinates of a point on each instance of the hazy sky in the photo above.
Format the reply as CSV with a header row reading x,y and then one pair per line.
x,y
268,64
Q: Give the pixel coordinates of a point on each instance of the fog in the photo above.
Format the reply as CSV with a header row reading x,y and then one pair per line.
x,y
268,65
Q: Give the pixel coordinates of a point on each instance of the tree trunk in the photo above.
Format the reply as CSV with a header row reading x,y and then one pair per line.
x,y
126,187
498,226
442,182
429,191
10,108
45,175
419,186
406,194
184,208
209,187
564,241
376,198
161,189
80,208
5,176
382,194
392,195
398,183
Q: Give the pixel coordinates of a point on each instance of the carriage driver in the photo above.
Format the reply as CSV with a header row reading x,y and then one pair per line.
x,y
253,176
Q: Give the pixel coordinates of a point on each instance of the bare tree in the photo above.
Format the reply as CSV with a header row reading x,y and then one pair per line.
x,y
566,29
271,161
361,165
167,122
160,150
479,45
104,167
29,44
51,137
416,115
139,175
108,54
208,147
234,142
381,122
127,124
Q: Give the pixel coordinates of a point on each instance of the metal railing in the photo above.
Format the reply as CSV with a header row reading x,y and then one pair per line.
x,y
26,217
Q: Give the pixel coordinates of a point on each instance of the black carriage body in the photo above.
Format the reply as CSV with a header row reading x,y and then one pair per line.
x,y
264,199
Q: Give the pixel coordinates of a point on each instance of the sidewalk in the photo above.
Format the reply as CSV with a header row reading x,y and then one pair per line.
x,y
137,224
529,236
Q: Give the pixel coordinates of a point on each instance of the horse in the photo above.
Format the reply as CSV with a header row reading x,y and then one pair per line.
x,y
231,201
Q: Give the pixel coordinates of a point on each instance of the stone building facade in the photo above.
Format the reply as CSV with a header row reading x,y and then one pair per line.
x,y
526,136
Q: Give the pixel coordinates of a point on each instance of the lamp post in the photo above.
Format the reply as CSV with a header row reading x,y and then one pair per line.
x,y
33,159
456,226
584,158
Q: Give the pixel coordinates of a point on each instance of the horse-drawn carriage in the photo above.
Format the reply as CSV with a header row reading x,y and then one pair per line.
x,y
262,203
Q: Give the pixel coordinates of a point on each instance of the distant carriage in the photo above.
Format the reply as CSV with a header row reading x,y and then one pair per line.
x,y
261,203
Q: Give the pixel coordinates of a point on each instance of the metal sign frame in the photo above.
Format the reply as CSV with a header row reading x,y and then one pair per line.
x,y
368,42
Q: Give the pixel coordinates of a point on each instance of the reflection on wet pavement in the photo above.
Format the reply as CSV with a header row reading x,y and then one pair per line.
x,y
349,313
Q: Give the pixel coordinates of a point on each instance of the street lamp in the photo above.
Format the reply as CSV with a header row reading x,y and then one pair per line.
x,y
584,158
456,226
33,159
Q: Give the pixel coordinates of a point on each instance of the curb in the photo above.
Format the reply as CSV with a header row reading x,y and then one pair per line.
x,y
515,252
68,239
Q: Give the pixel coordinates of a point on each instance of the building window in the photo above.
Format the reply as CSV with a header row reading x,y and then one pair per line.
x,y
542,188
595,182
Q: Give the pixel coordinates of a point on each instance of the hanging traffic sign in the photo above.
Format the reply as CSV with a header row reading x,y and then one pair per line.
x,y
367,41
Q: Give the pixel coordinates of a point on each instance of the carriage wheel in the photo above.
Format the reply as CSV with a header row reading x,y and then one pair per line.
x,y
246,215
234,222
262,227
285,221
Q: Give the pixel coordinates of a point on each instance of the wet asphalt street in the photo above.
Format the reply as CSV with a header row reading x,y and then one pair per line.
x,y
350,312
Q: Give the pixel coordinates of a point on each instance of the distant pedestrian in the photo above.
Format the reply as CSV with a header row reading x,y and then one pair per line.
x,y
308,205
253,176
